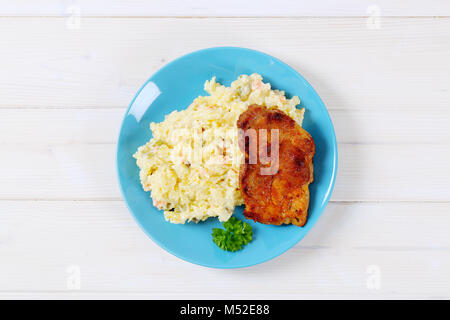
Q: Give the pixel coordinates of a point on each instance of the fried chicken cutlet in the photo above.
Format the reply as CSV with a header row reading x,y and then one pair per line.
x,y
275,191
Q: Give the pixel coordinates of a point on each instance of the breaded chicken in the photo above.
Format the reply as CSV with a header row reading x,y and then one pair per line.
x,y
275,192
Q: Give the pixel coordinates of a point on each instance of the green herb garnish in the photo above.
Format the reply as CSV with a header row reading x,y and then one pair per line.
x,y
234,237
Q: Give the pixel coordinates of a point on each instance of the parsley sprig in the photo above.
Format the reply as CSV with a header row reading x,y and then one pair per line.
x,y
234,237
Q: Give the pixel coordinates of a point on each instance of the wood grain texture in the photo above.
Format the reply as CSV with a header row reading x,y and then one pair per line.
x,y
218,8
403,66
87,171
51,126
70,154
116,258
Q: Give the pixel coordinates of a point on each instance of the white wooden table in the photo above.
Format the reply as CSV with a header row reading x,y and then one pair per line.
x,y
70,68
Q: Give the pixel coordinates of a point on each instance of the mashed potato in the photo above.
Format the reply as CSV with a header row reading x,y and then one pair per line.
x,y
191,165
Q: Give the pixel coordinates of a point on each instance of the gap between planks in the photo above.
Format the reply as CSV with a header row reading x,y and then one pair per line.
x,y
115,199
221,17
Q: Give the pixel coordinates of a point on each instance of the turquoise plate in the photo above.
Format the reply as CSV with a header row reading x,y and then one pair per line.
x,y
173,88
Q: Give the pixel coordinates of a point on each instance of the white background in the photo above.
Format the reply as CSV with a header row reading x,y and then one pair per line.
x,y
68,70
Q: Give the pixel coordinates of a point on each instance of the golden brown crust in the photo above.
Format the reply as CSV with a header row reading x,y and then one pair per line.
x,y
283,197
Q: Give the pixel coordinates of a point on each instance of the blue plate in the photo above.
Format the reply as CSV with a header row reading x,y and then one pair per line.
x,y
173,88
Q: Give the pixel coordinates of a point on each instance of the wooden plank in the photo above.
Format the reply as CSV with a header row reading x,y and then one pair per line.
x,y
401,66
224,8
115,258
366,172
59,172
390,172
401,127
68,126
60,126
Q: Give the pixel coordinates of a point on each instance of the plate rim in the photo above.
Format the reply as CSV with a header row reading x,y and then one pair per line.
x,y
308,227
